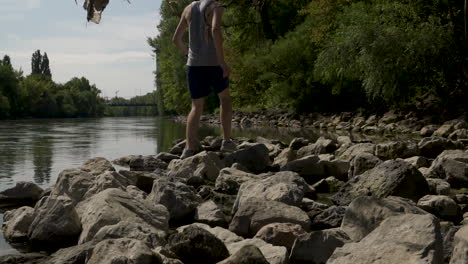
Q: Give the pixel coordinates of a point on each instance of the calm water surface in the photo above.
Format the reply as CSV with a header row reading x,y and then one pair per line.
x,y
38,150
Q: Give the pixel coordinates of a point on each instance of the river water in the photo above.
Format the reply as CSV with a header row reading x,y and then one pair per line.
x,y
38,150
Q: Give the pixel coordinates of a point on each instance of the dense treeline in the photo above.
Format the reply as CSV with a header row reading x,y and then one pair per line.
x,y
330,55
37,95
135,106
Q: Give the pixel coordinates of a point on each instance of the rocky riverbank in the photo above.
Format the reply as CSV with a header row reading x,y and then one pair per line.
x,y
334,200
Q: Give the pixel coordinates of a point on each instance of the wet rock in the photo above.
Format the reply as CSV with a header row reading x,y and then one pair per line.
x,y
247,254
442,206
366,213
407,238
286,187
451,165
56,223
431,147
255,158
151,236
254,213
396,149
361,163
122,250
392,177
111,206
230,179
209,212
23,193
205,165
438,186
280,234
317,246
146,163
16,223
273,254
181,200
460,250
329,218
193,244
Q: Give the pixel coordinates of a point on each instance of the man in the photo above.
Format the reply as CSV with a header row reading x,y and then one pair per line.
x,y
206,67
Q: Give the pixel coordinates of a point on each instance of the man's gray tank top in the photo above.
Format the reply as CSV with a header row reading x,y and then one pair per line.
x,y
202,51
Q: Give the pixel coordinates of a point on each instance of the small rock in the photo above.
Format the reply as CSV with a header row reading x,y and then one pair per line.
x,y
442,206
23,193
438,186
280,234
210,213
329,218
122,250
247,254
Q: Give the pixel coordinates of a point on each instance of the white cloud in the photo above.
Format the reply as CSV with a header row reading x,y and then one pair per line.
x,y
32,4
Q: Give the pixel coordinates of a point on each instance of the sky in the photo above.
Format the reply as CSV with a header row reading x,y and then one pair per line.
x,y
113,55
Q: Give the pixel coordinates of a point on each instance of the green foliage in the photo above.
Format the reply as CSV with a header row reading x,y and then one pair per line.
x,y
328,55
135,110
40,65
38,96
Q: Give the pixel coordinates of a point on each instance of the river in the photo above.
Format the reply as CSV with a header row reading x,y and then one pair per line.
x,y
38,150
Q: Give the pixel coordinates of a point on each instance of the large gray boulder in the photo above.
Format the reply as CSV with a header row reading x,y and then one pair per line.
x,y
150,235
356,149
122,250
451,165
72,255
431,147
209,212
460,250
56,222
111,206
392,177
396,149
254,213
23,193
286,187
280,234
79,184
180,199
361,163
247,254
97,166
230,179
441,206
205,165
16,223
366,213
286,155
193,244
406,238
311,168
317,246
255,158
321,146
273,254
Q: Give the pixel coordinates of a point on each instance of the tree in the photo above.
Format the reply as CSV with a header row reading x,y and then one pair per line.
x,y
45,70
36,62
6,61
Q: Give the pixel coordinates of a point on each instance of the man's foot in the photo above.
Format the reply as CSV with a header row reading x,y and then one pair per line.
x,y
228,146
187,153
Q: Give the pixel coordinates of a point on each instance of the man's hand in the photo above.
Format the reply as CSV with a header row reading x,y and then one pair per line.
x,y
226,70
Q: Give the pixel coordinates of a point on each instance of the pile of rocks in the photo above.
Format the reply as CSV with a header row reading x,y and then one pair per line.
x,y
328,201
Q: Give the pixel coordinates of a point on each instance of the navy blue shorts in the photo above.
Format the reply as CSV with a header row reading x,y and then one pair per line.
x,y
203,79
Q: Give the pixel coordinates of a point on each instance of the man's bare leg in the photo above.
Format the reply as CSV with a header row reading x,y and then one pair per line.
x,y
193,120
226,113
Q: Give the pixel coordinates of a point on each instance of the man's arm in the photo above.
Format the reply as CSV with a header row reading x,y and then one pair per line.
x,y
218,11
179,33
